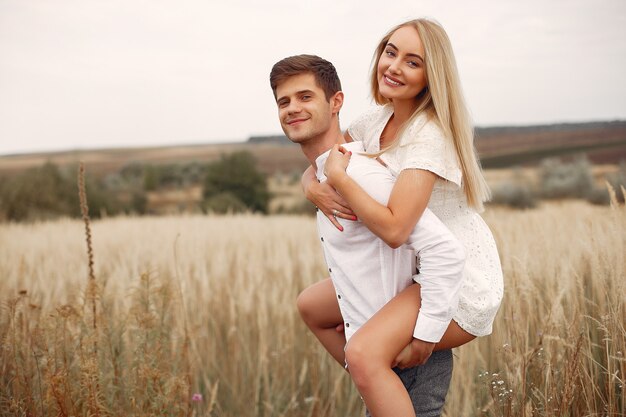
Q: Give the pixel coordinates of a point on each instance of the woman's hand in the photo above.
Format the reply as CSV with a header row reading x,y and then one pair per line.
x,y
325,198
336,164
416,353
332,204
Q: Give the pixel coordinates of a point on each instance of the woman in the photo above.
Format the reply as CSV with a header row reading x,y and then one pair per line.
x,y
421,131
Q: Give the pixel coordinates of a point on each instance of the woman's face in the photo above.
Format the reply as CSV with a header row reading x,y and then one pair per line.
x,y
401,72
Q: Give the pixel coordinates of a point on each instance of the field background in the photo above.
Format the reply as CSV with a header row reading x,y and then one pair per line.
x,y
205,304
195,313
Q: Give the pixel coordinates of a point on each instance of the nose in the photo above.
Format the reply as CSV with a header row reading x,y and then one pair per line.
x,y
294,107
394,66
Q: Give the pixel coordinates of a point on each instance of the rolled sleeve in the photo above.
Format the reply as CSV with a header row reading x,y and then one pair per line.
x,y
440,276
429,329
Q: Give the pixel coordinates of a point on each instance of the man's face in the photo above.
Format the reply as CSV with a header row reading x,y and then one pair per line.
x,y
303,110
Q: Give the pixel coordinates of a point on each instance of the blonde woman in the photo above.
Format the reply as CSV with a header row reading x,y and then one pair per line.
x,y
422,132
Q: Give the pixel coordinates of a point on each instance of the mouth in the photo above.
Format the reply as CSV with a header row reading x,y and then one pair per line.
x,y
295,122
392,81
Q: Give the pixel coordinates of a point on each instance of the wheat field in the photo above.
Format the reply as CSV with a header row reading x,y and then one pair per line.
x,y
195,316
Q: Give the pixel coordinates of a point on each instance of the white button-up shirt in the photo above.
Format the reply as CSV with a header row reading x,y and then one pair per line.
x,y
367,273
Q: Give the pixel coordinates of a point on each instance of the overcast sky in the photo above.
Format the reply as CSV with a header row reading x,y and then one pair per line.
x,y
87,73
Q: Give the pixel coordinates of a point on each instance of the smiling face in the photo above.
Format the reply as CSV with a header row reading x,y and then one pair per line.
x,y
303,110
401,71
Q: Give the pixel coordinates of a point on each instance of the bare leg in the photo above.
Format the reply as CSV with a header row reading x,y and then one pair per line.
x,y
373,349
319,309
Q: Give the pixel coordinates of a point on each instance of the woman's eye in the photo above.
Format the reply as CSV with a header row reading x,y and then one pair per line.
x,y
389,53
413,64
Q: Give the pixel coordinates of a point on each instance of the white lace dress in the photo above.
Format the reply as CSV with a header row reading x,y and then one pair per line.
x,y
426,147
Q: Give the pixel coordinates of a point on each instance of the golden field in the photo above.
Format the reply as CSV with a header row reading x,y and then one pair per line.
x,y
206,305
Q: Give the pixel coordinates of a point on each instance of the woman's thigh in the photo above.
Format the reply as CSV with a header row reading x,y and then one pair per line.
x,y
390,330
454,336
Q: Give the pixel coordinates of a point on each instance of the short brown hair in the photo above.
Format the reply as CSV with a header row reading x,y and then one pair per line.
x,y
324,72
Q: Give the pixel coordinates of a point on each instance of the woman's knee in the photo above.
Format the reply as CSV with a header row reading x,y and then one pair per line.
x,y
318,306
363,364
307,306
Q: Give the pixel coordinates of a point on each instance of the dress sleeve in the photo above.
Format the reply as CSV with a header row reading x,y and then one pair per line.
x,y
425,146
361,129
357,128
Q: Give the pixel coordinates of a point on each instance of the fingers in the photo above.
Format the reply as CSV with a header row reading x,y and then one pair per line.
x,y
348,212
403,359
340,205
335,214
339,328
342,150
413,362
335,222
327,199
344,207
420,353
336,164
339,213
414,354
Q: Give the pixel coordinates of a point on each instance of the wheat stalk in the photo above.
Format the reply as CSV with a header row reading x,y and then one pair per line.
x,y
84,209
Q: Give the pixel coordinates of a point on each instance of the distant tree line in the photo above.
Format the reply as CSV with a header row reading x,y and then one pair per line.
x,y
231,184
234,184
558,179
49,191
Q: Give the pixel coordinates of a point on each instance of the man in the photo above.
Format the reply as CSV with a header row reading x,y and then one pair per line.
x,y
366,273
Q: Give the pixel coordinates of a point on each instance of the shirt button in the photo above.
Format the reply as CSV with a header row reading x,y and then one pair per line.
x,y
339,296
322,239
347,324
330,270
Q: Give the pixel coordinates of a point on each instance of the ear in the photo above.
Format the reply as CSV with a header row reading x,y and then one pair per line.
x,y
336,101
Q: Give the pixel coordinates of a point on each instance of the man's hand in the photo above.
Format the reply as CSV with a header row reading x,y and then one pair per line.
x,y
416,353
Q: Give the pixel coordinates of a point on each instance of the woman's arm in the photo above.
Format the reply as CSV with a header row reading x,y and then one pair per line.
x,y
392,223
325,198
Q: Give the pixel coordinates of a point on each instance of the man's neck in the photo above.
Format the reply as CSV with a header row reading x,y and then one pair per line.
x,y
316,146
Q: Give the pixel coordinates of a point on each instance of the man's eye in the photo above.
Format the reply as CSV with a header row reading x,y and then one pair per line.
x,y
306,97
282,104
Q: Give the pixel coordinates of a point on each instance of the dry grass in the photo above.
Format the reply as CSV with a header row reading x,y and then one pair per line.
x,y
205,304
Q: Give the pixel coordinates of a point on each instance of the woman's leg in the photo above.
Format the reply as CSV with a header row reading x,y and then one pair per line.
x,y
372,352
319,309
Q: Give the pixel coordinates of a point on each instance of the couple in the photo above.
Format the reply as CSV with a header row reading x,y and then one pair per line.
x,y
408,283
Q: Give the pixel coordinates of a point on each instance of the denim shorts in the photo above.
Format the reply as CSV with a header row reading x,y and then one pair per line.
x,y
428,384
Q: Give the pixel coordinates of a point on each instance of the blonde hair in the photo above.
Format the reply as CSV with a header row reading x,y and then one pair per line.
x,y
442,99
